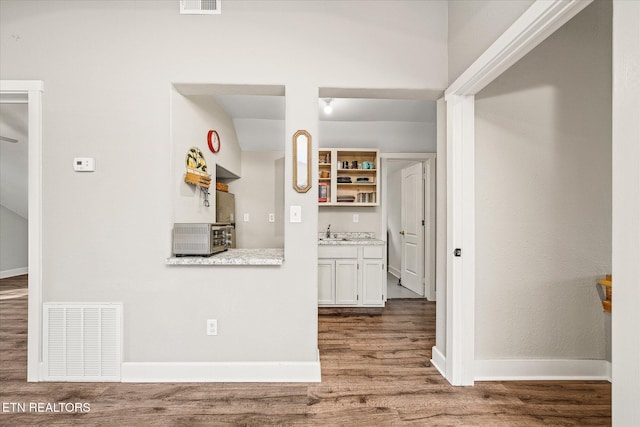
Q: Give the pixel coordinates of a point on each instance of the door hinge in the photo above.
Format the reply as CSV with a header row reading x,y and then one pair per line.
x,y
358,266
423,222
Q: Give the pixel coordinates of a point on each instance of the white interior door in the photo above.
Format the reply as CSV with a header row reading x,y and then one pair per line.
x,y
412,263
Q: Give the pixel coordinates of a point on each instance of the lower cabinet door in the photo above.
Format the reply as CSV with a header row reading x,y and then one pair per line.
x,y
372,282
346,281
326,281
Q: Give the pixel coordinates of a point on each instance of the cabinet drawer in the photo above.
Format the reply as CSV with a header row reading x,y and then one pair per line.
x,y
372,252
337,252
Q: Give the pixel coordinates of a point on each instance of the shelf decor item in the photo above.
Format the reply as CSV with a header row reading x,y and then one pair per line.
x,y
323,192
197,172
607,284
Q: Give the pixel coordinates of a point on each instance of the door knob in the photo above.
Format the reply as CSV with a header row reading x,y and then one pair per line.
x,y
402,232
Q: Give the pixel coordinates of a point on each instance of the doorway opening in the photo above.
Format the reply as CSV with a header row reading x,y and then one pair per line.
x,y
30,92
13,187
408,196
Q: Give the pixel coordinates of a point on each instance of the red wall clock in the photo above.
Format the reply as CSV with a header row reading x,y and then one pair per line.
x,y
213,139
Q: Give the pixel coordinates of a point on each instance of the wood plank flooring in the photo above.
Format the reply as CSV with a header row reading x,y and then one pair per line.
x,y
375,372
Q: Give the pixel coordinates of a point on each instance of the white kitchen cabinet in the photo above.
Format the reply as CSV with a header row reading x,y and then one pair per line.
x,y
372,281
326,281
347,281
351,276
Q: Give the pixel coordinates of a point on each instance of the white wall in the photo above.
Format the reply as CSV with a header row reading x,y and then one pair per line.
x,y
394,221
543,194
13,158
107,67
13,190
341,219
191,119
393,137
259,192
626,214
13,243
475,25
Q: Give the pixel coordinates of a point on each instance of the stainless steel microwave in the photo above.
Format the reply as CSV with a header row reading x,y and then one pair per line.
x,y
202,239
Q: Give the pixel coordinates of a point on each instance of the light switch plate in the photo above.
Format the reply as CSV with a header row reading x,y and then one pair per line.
x,y
84,164
356,218
212,327
295,214
245,217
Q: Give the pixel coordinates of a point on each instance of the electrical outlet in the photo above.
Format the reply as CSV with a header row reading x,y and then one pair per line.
x,y
212,327
272,217
356,218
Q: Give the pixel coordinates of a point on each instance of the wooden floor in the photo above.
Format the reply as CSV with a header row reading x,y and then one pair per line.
x,y
375,372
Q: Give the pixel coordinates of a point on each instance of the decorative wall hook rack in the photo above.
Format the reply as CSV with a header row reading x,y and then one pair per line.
x,y
197,172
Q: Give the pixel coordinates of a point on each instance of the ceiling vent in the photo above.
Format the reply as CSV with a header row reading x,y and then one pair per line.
x,y
200,7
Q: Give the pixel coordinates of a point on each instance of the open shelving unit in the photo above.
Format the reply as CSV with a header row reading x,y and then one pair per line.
x,y
351,176
324,174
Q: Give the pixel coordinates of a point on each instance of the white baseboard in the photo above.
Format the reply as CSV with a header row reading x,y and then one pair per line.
x,y
543,369
15,272
152,372
395,272
439,361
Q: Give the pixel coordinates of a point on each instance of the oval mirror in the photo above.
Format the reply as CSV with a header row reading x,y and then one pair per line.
x,y
301,161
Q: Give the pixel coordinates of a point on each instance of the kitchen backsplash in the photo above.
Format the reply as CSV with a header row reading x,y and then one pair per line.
x,y
350,234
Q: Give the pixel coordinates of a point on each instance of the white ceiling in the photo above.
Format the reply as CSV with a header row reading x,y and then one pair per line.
x,y
378,110
252,106
344,109
259,120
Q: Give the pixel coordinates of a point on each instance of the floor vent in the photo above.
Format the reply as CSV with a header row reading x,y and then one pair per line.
x,y
200,7
82,342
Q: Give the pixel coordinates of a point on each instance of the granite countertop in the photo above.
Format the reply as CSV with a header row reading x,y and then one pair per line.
x,y
349,238
266,256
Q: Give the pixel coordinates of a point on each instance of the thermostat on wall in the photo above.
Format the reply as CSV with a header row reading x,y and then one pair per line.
x,y
84,164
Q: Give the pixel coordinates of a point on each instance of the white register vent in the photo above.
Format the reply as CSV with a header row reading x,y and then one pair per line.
x,y
82,341
200,7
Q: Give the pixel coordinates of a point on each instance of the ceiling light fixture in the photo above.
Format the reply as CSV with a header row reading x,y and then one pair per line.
x,y
328,109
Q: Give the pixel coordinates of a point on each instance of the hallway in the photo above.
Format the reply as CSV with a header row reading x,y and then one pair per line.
x,y
396,291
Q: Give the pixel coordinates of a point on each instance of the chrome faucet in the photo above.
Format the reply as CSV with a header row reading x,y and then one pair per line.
x,y
329,231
